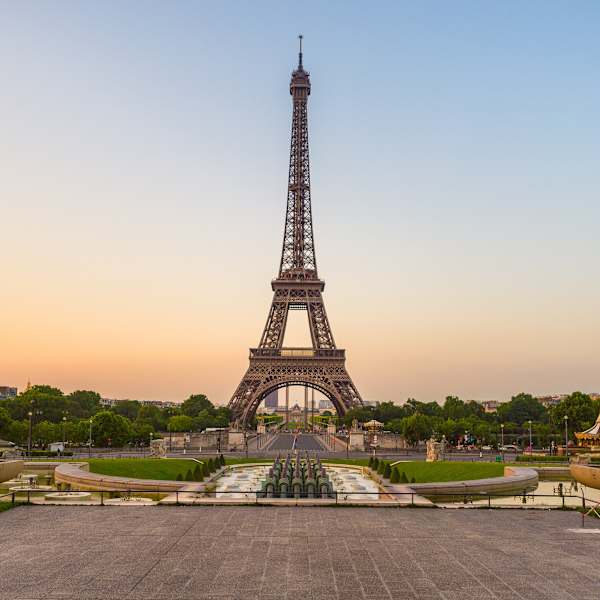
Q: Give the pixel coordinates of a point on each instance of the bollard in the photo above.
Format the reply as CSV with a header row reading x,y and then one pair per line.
x,y
101,497
177,497
28,497
412,499
13,497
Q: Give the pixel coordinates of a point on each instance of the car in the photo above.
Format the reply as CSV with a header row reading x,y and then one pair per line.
x,y
509,448
486,448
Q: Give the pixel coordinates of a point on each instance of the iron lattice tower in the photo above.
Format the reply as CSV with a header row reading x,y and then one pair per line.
x,y
297,287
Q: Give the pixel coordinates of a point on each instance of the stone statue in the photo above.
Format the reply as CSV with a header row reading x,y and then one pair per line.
x,y
433,450
354,424
158,448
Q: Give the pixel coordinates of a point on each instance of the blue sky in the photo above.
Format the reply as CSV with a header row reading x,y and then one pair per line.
x,y
454,151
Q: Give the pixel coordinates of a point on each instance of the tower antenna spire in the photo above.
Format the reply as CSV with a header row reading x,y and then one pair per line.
x,y
300,53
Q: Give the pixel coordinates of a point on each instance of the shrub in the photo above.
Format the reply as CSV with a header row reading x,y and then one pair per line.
x,y
413,480
381,467
179,477
371,458
395,476
375,464
222,460
189,476
387,471
403,478
205,471
198,473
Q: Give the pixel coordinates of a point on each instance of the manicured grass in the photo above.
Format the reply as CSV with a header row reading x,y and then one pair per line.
x,y
359,462
6,506
142,468
425,472
243,460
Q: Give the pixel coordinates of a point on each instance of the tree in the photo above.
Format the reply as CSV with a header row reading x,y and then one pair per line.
x,y
83,404
110,429
388,411
375,464
195,404
387,471
127,408
198,473
45,433
417,427
454,408
362,415
140,432
189,476
579,408
521,408
5,421
180,423
153,415
395,476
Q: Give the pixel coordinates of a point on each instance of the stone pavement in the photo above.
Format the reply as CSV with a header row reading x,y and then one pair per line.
x,y
311,553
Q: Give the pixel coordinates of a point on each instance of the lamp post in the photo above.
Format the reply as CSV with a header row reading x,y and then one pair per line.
x,y
530,446
567,436
30,414
90,441
502,439
64,423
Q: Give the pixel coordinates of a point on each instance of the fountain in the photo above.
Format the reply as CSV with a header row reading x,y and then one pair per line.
x,y
296,477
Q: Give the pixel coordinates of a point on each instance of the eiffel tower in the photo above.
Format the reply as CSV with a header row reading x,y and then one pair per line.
x,y
297,287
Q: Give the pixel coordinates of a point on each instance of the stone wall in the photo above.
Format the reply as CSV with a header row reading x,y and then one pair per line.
x,y
195,441
9,469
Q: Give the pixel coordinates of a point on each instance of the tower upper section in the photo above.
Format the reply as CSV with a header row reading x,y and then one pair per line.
x,y
298,253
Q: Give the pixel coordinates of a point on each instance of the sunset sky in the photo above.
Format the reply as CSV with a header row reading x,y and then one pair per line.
x,y
455,159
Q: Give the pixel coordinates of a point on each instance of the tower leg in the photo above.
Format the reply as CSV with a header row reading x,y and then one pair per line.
x,y
312,409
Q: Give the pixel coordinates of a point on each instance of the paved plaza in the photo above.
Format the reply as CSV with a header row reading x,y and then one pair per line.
x,y
305,553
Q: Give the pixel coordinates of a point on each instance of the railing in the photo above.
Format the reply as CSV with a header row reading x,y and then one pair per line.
x,y
587,507
297,352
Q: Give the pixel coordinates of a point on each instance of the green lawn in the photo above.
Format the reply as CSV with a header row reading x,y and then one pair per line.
x,y
243,460
359,462
142,468
6,506
425,472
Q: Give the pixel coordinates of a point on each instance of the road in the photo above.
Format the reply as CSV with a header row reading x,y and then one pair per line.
x,y
305,441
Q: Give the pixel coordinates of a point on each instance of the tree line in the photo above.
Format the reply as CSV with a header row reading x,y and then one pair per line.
x,y
457,419
54,416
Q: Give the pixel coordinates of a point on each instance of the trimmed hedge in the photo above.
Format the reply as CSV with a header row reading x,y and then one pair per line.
x,y
535,459
387,471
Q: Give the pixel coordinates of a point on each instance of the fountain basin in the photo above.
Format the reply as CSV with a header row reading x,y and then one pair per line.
x,y
68,496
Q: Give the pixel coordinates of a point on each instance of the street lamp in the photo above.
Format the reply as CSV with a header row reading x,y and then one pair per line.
x,y
64,422
30,413
566,417
530,446
502,435
90,441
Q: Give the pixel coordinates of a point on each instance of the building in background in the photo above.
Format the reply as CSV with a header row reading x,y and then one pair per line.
x,y
272,400
489,406
550,401
158,403
7,392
